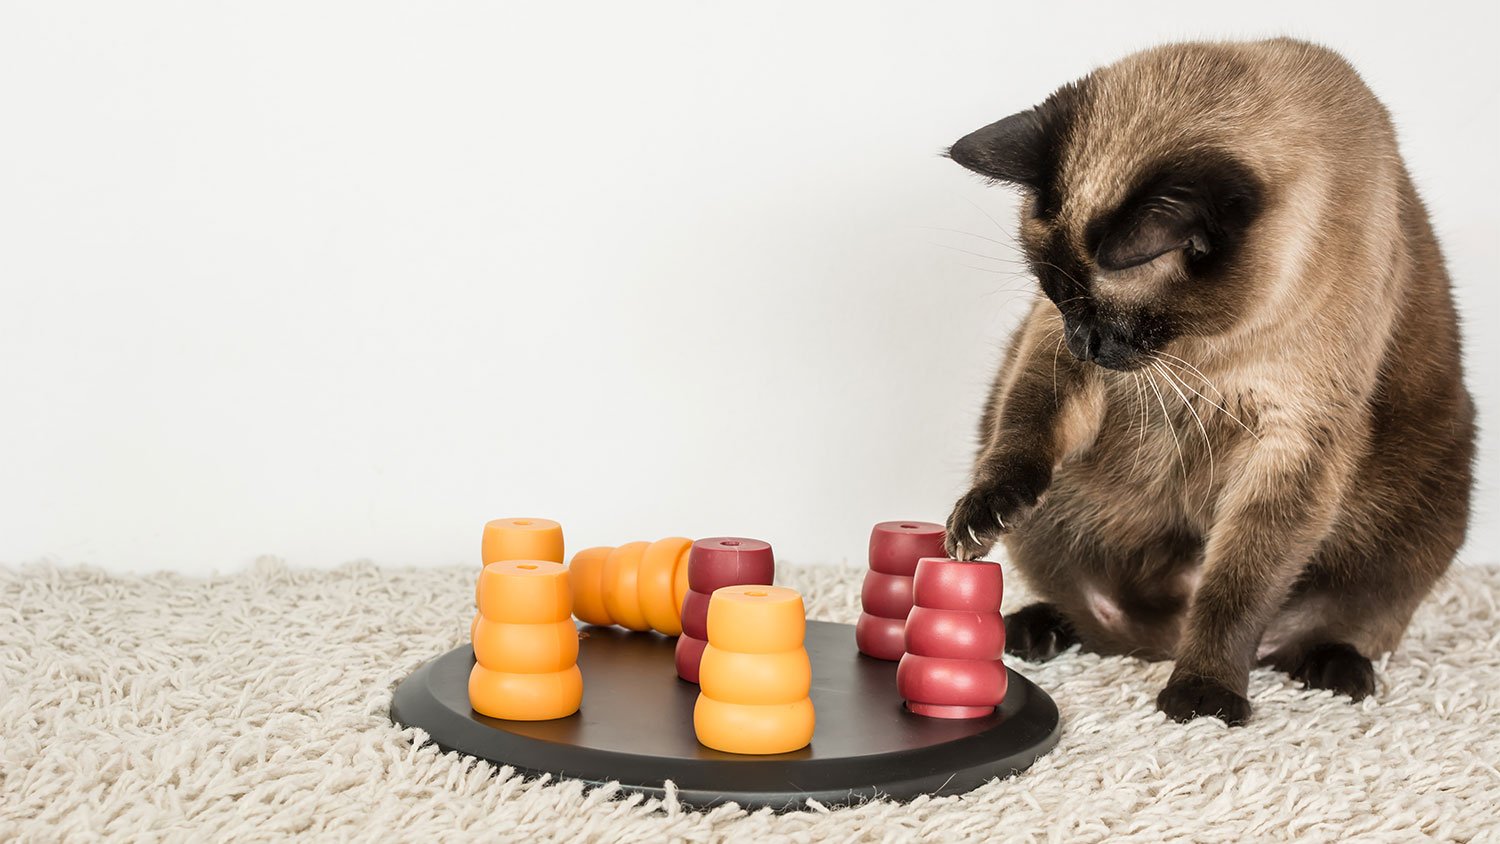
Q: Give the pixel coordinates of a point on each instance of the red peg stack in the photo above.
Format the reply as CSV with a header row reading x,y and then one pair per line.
x,y
713,564
954,641
895,548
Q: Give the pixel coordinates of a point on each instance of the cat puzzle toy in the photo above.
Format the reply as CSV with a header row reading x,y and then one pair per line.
x,y
787,709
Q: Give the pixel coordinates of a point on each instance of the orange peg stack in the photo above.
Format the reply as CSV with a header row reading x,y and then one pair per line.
x,y
525,644
755,674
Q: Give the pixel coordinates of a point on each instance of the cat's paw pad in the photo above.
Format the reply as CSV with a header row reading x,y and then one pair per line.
x,y
1186,698
1038,633
1337,667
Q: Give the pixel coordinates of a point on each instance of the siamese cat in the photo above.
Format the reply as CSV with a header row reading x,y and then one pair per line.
x,y
1235,431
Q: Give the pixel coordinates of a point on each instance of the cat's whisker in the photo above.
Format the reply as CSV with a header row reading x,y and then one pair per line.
x,y
981,255
1009,274
1014,291
1167,418
1076,283
1140,442
1221,409
1190,368
1010,245
1208,444
1020,249
996,223
1056,350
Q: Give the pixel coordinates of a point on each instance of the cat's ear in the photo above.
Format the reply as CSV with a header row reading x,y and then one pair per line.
x,y
1152,229
1022,149
1012,150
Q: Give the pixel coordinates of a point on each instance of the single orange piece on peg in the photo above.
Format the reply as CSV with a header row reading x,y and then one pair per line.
x,y
622,594
586,578
657,582
521,539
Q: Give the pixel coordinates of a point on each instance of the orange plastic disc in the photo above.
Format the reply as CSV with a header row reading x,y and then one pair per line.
x,y
732,677
656,581
525,592
754,729
622,596
756,619
521,539
586,577
526,648
525,697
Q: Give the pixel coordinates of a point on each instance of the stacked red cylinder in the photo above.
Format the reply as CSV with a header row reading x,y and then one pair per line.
x,y
713,564
895,548
955,639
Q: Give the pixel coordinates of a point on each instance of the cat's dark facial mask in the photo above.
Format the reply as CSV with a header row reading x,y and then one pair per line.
x,y
1156,265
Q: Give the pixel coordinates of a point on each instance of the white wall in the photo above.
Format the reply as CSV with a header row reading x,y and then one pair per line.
x,y
343,280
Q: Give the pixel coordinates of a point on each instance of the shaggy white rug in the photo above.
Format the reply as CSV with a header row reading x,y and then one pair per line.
x,y
254,707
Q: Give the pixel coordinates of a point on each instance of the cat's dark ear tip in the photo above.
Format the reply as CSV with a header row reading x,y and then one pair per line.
x,y
1010,150
973,158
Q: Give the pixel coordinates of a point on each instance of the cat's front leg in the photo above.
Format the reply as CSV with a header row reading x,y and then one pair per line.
x,y
1271,520
1045,408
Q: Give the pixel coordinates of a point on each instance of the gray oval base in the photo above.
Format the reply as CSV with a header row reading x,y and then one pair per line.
x,y
636,728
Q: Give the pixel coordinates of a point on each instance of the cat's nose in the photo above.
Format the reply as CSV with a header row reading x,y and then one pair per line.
x,y
1088,343
1114,353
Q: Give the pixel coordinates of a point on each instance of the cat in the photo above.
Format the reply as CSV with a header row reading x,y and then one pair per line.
x,y
1235,430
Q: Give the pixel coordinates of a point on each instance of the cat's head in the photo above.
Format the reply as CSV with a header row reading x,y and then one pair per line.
x,y
1141,206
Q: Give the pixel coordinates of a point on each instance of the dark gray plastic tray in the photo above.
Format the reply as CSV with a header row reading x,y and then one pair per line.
x,y
636,728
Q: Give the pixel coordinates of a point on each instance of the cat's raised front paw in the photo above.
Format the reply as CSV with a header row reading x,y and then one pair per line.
x,y
991,509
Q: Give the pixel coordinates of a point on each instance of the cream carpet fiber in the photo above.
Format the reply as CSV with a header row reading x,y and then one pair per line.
x,y
253,707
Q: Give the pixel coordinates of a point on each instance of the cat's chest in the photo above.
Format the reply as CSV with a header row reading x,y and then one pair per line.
x,y
1164,444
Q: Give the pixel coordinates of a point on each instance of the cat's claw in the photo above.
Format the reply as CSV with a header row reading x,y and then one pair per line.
x,y
988,511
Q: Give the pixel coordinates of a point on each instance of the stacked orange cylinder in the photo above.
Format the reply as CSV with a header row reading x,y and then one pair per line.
x,y
755,675
525,644
713,564
517,539
639,585
895,548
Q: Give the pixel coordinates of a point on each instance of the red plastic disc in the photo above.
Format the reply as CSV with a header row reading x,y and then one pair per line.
x,y
886,595
721,561
951,682
955,634
946,584
882,638
895,547
695,615
689,656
